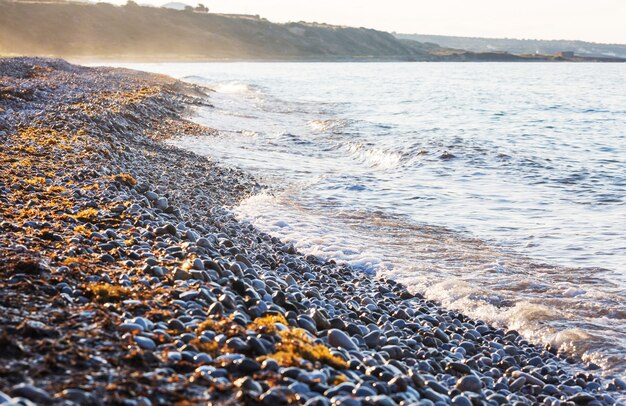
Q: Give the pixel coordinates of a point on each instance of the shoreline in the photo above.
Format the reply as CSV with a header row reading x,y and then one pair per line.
x,y
124,276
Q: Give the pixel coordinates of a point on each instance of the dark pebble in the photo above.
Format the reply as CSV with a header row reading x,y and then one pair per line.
x,y
31,392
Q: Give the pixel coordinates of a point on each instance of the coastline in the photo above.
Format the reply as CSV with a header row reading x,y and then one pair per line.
x,y
124,276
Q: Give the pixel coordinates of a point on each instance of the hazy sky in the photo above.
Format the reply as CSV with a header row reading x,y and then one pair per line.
x,y
590,20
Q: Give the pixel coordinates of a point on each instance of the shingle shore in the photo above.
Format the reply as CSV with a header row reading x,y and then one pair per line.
x,y
125,280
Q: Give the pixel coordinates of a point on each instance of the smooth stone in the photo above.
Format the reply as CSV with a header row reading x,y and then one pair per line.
x,y
318,401
591,386
400,314
509,349
162,203
4,397
570,390
433,396
202,358
249,385
78,396
176,325
130,327
462,368
188,296
581,398
143,322
399,383
346,401
529,378
436,386
394,351
300,388
469,383
321,321
343,388
216,308
469,347
498,398
198,264
381,400
517,384
247,365
362,391
204,242
152,261
441,335
31,392
107,258
174,356
181,275
307,324
191,235
620,383
270,365
338,338
417,378
199,275
461,400
145,343
372,339
237,344
609,399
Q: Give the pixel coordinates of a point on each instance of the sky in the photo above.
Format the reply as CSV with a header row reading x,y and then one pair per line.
x,y
588,20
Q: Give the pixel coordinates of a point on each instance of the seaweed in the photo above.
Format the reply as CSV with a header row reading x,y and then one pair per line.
x,y
296,345
106,293
87,215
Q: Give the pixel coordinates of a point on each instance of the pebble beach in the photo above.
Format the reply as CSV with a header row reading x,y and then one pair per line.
x,y
125,278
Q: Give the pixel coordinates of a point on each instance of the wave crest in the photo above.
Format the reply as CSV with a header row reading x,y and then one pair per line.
x,y
235,87
374,157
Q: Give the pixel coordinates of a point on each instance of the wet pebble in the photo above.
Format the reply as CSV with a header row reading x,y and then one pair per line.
x,y
338,338
130,328
469,383
145,343
31,392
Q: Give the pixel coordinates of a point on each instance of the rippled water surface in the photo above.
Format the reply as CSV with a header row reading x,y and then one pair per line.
x,y
495,188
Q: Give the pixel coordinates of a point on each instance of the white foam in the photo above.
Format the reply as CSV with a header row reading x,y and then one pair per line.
x,y
328,125
374,157
309,232
573,292
248,133
235,88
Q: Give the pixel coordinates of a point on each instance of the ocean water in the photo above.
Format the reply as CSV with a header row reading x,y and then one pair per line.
x,y
497,189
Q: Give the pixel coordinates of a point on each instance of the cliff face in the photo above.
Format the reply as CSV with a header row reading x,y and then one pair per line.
x,y
106,31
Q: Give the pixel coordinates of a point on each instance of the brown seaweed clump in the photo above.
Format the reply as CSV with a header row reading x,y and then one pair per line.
x,y
295,345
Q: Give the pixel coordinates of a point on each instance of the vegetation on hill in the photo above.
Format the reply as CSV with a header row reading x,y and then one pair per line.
x,y
103,30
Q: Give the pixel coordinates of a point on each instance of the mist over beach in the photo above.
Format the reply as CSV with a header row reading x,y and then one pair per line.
x,y
244,203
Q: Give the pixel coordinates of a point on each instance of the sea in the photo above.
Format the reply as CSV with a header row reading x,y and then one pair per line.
x,y
495,189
